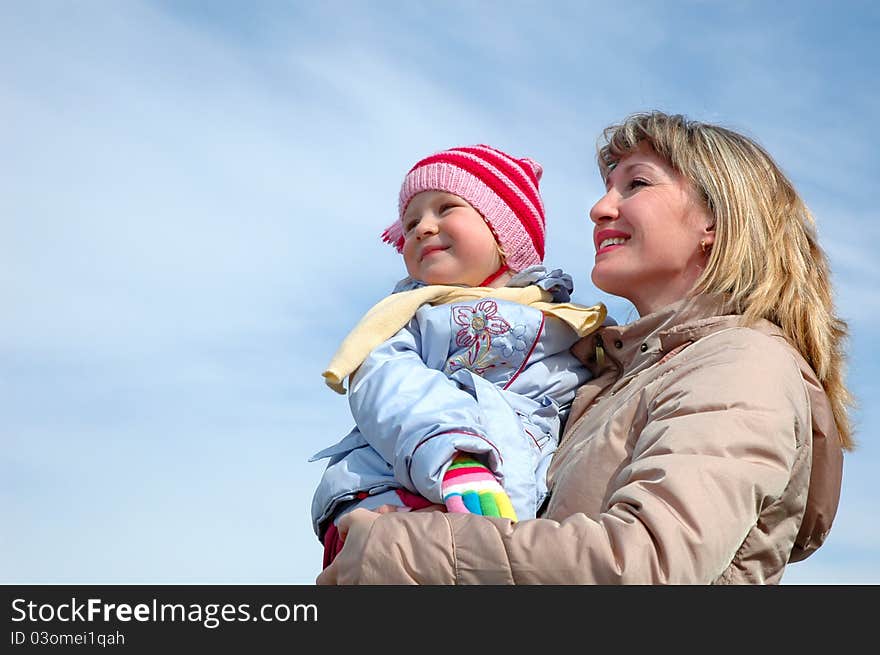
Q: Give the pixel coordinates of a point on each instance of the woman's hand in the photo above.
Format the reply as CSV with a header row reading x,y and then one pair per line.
x,y
354,529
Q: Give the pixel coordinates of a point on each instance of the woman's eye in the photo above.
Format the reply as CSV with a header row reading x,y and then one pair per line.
x,y
637,182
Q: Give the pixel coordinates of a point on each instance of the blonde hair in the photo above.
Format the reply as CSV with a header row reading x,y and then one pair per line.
x,y
766,256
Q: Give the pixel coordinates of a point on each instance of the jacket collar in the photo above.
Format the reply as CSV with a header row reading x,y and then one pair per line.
x,y
636,345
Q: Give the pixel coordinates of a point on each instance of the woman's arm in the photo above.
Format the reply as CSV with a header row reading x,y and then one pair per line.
x,y
722,436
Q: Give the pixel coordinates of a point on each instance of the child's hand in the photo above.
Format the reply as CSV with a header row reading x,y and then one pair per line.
x,y
469,487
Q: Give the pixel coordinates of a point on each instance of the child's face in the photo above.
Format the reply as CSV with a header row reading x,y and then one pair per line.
x,y
446,241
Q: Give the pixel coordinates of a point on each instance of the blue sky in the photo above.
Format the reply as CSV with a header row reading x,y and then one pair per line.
x,y
190,205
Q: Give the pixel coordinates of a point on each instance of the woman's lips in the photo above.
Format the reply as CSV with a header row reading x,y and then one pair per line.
x,y
607,240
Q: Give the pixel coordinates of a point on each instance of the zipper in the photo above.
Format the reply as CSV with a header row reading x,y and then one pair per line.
x,y
600,353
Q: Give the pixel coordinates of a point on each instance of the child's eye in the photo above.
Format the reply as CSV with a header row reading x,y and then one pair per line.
x,y
409,225
446,206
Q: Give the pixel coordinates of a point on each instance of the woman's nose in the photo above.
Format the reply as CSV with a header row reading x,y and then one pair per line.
x,y
605,208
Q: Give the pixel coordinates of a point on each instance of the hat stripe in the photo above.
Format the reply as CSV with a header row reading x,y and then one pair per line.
x,y
500,184
513,168
513,175
506,190
525,190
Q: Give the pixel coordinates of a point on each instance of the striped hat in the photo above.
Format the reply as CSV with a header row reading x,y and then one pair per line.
x,y
502,188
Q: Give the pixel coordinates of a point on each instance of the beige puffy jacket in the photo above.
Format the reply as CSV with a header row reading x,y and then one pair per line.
x,y
686,460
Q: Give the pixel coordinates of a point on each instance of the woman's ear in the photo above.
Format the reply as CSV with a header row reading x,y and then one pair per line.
x,y
708,234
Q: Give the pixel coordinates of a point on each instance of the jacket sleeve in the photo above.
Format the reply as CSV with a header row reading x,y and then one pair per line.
x,y
401,406
716,451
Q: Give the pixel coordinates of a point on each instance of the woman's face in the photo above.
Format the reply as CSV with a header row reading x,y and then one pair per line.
x,y
647,234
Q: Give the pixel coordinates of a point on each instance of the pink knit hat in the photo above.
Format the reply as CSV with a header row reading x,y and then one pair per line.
x,y
503,189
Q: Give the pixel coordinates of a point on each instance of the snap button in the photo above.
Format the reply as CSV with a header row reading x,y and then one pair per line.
x,y
644,347
618,344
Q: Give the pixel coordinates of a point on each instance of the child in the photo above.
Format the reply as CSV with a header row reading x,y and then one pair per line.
x,y
460,380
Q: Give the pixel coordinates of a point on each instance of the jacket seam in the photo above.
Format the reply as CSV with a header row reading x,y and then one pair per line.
x,y
454,549
465,432
529,354
678,350
507,557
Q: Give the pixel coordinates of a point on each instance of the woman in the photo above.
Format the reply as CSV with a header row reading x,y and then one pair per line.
x,y
708,446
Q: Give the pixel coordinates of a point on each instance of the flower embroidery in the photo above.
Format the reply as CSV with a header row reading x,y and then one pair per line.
x,y
514,342
479,324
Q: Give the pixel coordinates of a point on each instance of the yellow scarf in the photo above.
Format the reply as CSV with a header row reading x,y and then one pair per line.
x,y
390,314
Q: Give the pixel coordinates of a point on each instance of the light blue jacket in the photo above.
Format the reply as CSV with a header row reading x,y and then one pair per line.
x,y
485,376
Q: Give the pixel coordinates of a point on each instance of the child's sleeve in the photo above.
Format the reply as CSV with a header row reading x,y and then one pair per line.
x,y
402,406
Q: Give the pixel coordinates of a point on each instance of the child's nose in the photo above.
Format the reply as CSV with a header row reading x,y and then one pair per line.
x,y
427,226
